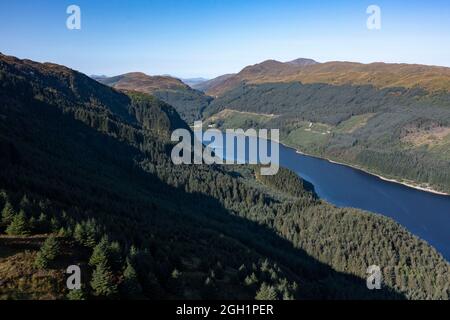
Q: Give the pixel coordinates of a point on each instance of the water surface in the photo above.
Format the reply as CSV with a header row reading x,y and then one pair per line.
x,y
424,214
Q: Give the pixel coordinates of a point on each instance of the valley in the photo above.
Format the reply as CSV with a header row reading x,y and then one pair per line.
x,y
397,133
309,135
87,171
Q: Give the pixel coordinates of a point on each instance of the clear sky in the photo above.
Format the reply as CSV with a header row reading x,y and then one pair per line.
x,y
191,38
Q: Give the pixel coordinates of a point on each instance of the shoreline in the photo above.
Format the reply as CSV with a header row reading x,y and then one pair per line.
x,y
406,184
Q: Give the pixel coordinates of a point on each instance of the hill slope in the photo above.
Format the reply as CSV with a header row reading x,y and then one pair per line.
x,y
92,165
389,119
210,84
188,102
379,75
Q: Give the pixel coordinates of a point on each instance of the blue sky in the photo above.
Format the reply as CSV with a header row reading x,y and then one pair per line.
x,y
191,38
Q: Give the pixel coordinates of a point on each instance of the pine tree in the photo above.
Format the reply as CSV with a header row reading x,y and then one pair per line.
x,y
131,286
42,223
25,204
79,233
32,224
8,214
103,281
176,283
86,232
266,293
48,252
208,291
91,233
55,225
63,233
76,295
18,226
251,280
115,255
100,254
175,274
3,198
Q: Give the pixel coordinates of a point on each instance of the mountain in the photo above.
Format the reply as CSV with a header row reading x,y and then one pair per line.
x,y
192,82
379,75
389,119
302,62
188,102
87,180
98,77
138,81
260,72
211,84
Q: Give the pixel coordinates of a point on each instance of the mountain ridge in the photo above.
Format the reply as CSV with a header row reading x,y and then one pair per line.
x,y
380,75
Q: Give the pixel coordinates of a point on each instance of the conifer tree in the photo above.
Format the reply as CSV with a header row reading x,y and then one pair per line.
x,y
3,198
131,286
79,233
43,223
91,233
115,255
176,283
48,252
8,214
102,281
266,293
251,280
25,204
18,226
77,294
100,253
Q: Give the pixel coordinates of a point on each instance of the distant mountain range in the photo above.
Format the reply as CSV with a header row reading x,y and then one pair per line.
x,y
208,85
192,82
380,75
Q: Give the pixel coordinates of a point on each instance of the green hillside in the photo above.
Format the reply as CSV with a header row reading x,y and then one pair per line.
x,y
87,179
395,132
188,102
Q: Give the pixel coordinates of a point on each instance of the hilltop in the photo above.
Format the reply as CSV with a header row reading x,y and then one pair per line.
x,y
379,75
187,101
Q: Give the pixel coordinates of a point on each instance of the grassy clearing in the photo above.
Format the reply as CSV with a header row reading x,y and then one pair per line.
x,y
231,119
354,123
306,138
21,280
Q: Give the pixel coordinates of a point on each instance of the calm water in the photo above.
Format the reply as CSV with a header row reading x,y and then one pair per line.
x,y
425,214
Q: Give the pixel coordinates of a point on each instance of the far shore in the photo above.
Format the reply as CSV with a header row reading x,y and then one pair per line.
x,y
406,184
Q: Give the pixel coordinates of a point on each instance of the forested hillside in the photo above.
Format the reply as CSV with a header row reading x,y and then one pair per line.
x,y
87,179
188,102
395,132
